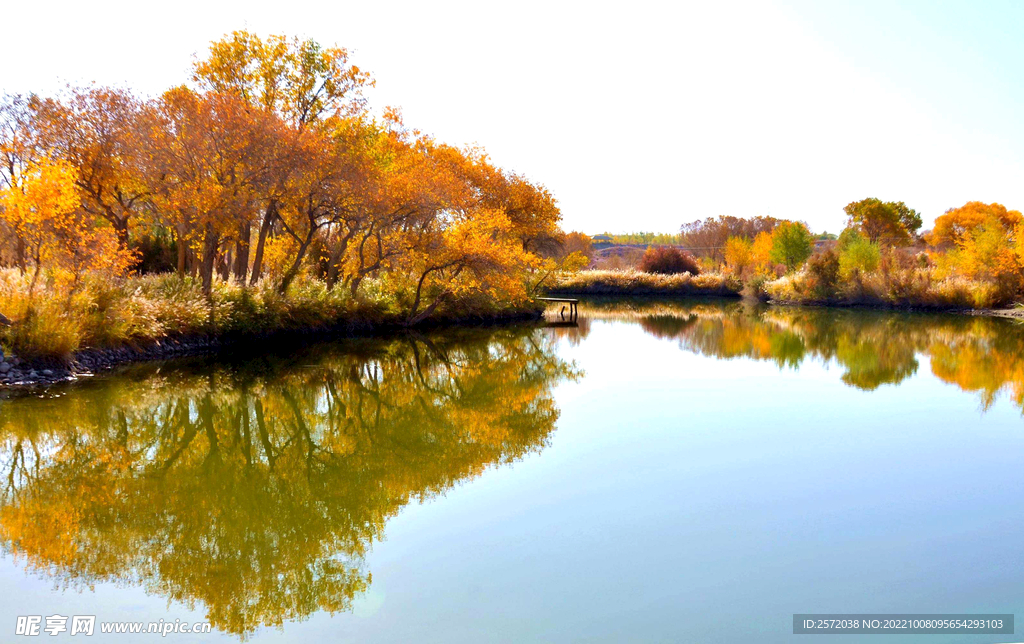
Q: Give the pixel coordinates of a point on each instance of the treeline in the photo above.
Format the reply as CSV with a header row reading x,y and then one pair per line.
x,y
974,256
660,239
268,164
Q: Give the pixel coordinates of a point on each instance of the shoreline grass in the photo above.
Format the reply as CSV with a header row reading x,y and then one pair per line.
x,y
633,282
140,311
912,290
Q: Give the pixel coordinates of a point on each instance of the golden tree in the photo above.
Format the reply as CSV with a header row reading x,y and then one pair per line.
x,y
100,131
44,212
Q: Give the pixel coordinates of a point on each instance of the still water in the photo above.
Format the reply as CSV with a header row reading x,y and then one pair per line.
x,y
661,472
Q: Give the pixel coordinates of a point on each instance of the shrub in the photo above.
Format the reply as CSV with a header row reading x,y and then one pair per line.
x,y
667,260
823,269
857,254
756,287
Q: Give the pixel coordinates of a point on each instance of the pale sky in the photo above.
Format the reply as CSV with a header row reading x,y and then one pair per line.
x,y
636,115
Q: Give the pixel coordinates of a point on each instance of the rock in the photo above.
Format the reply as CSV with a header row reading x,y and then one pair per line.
x,y
47,372
5,367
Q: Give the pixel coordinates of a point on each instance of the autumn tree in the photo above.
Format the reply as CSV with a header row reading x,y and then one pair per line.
x,y
952,226
761,253
891,223
791,244
38,206
323,191
100,131
707,237
212,156
986,251
577,242
412,193
530,208
270,160
858,255
476,255
44,211
301,82
17,151
737,254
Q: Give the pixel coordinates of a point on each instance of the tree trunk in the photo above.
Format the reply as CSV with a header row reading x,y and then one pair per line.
x,y
268,221
20,252
210,242
182,251
35,275
412,321
293,270
415,318
242,252
120,225
224,265
334,263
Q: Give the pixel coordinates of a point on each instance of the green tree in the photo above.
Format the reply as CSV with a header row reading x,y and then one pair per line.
x,y
892,223
857,254
791,244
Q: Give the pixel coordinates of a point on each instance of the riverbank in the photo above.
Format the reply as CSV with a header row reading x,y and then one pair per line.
x,y
632,282
903,292
163,317
105,324
44,372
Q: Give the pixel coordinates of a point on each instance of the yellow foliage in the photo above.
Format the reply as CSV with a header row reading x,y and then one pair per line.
x,y
738,254
44,213
760,253
957,222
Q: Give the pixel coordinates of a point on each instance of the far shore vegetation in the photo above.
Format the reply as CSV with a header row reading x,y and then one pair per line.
x,y
973,258
263,194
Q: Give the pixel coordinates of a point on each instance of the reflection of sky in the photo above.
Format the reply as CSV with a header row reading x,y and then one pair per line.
x,y
689,499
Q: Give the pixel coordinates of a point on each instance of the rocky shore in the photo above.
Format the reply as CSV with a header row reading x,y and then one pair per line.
x,y
14,372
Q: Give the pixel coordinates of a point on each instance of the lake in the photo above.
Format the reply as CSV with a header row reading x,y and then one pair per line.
x,y
690,471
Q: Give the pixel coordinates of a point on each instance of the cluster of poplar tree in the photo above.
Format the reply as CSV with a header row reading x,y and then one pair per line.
x,y
268,164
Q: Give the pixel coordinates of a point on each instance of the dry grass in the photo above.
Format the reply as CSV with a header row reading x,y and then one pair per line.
x,y
110,313
632,282
913,288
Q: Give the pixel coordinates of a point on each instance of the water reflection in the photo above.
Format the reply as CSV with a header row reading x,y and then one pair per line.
x,y
255,490
874,348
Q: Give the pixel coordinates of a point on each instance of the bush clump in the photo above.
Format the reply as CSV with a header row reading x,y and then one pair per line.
x,y
823,271
667,260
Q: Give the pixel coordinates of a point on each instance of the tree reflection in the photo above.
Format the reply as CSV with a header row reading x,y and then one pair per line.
x,y
256,490
873,348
